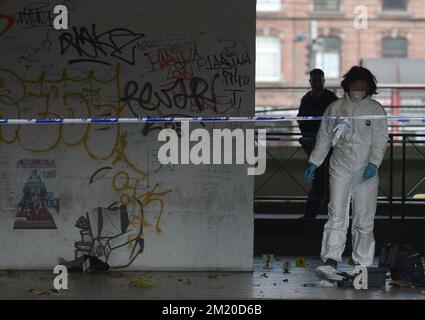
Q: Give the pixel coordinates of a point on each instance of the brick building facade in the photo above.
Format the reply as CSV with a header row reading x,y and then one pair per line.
x,y
294,36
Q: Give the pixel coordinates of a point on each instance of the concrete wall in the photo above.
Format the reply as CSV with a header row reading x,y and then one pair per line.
x,y
73,189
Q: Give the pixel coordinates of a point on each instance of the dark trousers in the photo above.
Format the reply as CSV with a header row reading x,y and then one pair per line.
x,y
320,186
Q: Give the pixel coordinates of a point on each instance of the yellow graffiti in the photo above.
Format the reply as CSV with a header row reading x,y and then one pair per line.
x,y
44,91
120,154
142,199
71,97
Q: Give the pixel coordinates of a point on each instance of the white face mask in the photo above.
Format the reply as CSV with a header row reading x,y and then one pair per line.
x,y
357,96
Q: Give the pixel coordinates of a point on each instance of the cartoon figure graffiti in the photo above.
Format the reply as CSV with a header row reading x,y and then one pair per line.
x,y
110,234
33,209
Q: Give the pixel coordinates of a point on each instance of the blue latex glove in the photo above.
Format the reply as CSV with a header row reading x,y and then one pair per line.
x,y
309,173
370,171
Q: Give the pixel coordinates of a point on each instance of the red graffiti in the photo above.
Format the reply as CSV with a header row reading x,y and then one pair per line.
x,y
9,23
179,61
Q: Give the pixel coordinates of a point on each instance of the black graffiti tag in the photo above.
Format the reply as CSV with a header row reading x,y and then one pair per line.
x,y
91,46
179,94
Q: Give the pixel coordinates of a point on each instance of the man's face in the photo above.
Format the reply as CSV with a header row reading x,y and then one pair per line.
x,y
317,82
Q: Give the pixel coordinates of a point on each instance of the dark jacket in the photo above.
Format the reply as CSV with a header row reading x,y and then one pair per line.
x,y
313,106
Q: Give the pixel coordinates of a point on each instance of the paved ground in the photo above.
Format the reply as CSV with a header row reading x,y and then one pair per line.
x,y
263,283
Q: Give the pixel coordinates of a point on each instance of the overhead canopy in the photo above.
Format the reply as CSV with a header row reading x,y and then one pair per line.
x,y
396,70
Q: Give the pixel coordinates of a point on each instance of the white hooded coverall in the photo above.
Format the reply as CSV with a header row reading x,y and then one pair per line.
x,y
362,141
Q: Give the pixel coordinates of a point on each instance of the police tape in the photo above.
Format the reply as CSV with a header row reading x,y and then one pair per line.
x,y
201,119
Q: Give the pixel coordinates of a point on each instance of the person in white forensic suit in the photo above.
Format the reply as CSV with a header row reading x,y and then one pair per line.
x,y
359,141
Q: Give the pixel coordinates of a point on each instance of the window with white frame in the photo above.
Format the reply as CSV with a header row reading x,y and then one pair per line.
x,y
327,56
267,67
326,5
268,5
394,48
394,5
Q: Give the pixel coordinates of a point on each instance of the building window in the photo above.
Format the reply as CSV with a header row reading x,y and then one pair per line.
x,y
327,56
268,5
394,5
394,48
326,5
267,68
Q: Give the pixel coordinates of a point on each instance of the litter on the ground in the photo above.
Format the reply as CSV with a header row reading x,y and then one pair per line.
x,y
43,293
286,267
140,282
300,263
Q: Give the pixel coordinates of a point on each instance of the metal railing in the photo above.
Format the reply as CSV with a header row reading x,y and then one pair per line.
x,y
405,192
396,141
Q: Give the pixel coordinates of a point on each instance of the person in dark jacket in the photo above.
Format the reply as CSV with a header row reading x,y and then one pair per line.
x,y
314,103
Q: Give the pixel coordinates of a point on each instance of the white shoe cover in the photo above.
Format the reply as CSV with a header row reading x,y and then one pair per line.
x,y
328,273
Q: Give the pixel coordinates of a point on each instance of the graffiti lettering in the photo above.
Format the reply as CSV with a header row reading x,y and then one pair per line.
x,y
180,94
234,78
52,98
35,15
28,56
180,61
38,14
219,62
91,46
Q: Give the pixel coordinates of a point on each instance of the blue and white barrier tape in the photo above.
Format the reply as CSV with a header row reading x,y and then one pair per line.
x,y
199,119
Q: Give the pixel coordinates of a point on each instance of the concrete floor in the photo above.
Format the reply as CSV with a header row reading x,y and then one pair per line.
x,y
261,284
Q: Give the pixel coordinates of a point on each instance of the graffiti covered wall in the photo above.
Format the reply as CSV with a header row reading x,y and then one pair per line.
x,y
99,189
